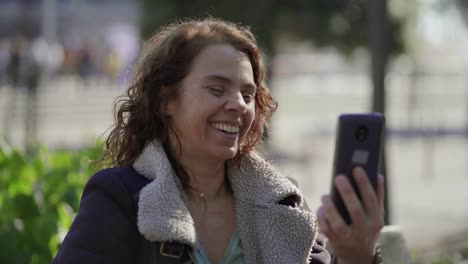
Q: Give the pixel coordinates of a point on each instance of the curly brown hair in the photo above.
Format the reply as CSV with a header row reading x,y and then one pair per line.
x,y
165,62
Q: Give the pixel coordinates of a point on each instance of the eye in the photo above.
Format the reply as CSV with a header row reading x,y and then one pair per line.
x,y
216,90
248,97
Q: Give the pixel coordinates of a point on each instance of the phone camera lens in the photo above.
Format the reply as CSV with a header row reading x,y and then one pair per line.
x,y
361,133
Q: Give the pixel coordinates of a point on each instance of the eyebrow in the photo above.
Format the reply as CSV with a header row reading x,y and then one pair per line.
x,y
217,78
227,80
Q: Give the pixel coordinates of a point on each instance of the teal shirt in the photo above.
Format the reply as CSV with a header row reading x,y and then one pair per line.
x,y
232,255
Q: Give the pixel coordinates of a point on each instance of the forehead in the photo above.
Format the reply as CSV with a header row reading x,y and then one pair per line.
x,y
222,60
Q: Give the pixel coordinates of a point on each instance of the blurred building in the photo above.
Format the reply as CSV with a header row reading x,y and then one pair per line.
x,y
79,17
97,36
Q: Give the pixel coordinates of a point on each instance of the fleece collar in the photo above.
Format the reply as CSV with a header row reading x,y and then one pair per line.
x,y
162,209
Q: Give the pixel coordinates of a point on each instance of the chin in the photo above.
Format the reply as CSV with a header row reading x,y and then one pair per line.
x,y
227,154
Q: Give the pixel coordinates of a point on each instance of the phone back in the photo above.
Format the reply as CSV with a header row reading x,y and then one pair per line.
x,y
358,143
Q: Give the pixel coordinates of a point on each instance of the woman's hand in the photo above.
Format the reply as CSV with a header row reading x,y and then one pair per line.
x,y
353,243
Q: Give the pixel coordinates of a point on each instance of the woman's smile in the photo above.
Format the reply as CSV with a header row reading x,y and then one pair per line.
x,y
227,128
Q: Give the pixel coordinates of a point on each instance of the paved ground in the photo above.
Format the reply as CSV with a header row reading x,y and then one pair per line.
x,y
428,176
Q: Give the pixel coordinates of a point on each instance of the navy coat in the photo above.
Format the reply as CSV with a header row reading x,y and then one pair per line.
x,y
105,229
138,214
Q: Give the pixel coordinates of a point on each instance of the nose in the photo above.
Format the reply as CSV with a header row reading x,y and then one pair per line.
x,y
236,103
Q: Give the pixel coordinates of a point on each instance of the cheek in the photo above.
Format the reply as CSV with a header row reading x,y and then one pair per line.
x,y
251,114
249,120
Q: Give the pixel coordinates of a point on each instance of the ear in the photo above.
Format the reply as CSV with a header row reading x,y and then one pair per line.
x,y
169,107
166,108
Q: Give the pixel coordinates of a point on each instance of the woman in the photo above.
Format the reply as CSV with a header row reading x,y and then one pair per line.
x,y
187,185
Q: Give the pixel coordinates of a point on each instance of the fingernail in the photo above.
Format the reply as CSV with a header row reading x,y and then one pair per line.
x,y
381,177
325,199
340,179
359,170
320,212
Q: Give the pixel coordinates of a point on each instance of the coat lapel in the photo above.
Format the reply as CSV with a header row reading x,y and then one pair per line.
x,y
162,211
270,232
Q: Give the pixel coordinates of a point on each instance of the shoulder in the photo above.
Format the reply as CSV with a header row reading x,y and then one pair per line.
x,y
117,179
116,175
121,184
104,230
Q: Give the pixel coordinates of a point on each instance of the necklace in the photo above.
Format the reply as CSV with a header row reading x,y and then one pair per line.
x,y
202,196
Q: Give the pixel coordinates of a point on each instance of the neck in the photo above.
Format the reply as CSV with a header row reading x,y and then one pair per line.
x,y
206,179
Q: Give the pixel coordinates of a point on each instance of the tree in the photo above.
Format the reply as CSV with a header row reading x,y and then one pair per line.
x,y
462,6
340,23
378,33
158,13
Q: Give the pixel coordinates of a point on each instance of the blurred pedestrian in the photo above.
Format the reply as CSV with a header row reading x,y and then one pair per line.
x,y
86,67
4,60
23,74
14,73
15,62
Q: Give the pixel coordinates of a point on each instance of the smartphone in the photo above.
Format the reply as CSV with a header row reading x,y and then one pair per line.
x,y
358,143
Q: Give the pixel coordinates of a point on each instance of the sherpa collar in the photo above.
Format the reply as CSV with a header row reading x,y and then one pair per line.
x,y
162,211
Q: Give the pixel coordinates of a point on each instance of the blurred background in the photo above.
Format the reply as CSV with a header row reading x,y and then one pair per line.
x,y
64,62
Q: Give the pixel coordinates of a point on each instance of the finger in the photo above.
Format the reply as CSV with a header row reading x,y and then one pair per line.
x,y
381,192
351,201
324,226
368,195
334,219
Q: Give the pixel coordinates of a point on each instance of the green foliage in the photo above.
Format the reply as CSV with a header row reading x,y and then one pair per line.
x,y
443,260
464,253
258,14
39,196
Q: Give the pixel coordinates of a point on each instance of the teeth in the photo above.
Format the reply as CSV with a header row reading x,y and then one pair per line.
x,y
226,127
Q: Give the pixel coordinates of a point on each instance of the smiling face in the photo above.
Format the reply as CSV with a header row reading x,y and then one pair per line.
x,y
215,106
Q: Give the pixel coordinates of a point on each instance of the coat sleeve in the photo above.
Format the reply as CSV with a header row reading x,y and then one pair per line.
x,y
104,230
319,254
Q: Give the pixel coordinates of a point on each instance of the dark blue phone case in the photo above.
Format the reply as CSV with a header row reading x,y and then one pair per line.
x,y
358,143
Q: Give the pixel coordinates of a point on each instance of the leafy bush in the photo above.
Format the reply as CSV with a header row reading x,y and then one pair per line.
x,y
464,253
40,194
443,260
